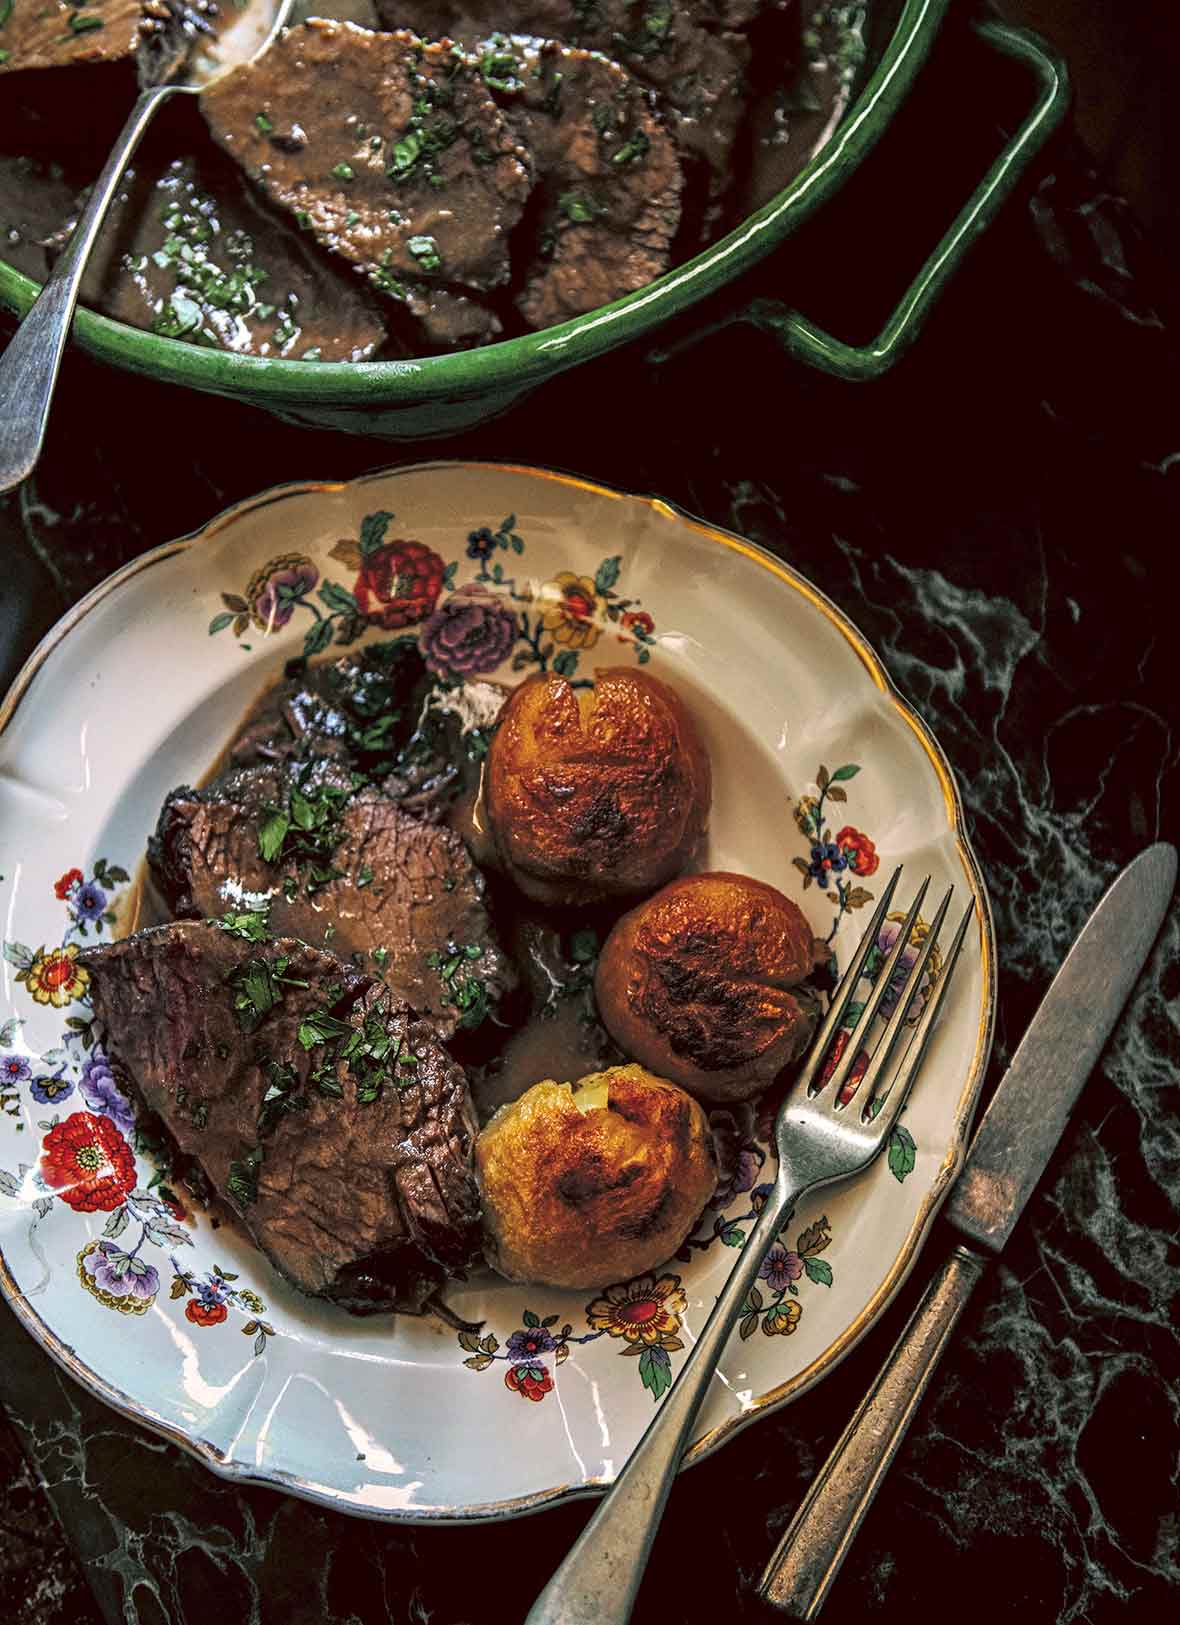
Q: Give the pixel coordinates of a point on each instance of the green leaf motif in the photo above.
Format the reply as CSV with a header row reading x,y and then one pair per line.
x,y
566,663
9,1030
373,528
848,771
655,1371
530,1319
733,1236
317,637
748,1327
220,622
818,1270
608,573
338,597
903,1153
17,954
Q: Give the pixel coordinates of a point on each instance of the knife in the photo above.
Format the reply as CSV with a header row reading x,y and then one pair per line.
x,y
1012,1145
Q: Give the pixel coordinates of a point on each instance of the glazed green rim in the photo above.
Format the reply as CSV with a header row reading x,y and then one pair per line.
x,y
515,364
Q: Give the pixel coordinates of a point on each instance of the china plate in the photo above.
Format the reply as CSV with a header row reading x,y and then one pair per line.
x,y
187,1328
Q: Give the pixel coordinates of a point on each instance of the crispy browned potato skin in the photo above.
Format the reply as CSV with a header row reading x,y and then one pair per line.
x,y
594,794
696,983
581,1199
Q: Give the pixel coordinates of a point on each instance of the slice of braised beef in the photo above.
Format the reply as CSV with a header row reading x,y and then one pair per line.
x,y
691,54
364,877
326,1114
189,253
391,152
609,178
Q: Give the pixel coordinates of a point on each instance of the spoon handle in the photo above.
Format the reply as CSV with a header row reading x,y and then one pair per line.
x,y
28,367
597,1582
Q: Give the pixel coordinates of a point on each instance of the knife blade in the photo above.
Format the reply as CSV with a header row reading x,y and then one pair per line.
x,y
1009,1152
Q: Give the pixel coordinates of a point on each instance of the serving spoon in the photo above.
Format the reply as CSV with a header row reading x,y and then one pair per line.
x,y
179,53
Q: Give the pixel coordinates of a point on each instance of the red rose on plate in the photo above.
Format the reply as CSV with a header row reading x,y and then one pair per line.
x,y
88,1163
530,1381
63,887
859,851
204,1314
399,584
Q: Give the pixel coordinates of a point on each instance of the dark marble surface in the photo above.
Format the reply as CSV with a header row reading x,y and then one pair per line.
x,y
1000,518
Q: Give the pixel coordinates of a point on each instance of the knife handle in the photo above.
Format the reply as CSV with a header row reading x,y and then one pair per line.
x,y
808,1557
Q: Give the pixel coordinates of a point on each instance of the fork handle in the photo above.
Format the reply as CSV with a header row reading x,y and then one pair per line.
x,y
819,1536
597,1582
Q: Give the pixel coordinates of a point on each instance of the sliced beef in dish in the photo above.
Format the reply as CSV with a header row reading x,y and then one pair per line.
x,y
369,880
328,1116
53,34
187,252
391,152
608,176
691,55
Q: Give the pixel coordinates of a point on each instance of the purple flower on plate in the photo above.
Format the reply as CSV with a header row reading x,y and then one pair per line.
x,y
886,938
102,1094
14,1069
277,588
741,1179
472,631
50,1090
780,1268
90,901
114,1271
527,1344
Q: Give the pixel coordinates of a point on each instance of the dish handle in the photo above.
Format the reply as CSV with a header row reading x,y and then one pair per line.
x,y
809,343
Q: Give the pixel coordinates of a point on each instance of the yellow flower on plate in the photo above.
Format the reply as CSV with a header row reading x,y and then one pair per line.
x,y
641,1311
55,977
570,610
782,1319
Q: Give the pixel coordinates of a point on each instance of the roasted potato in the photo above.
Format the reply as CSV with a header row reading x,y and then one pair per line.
x,y
701,984
596,793
595,1182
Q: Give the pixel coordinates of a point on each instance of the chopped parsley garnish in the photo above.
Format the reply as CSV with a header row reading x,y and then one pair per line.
x,y
283,1095
500,69
576,206
467,993
364,876
425,251
344,172
321,1027
428,133
380,957
199,1115
262,124
325,1080
241,1183
6,11
306,832
82,22
258,985
252,924
637,147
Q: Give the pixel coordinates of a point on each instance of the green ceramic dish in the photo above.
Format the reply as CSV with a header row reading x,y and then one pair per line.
x,y
414,399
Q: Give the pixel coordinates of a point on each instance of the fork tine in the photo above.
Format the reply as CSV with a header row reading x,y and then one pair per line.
x,y
873,1003
896,1099
895,1026
842,997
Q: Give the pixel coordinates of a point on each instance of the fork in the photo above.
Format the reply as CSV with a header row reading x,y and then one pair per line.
x,y
819,1139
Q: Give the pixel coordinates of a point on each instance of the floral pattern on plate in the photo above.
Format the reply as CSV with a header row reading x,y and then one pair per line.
x,y
464,630
87,1159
